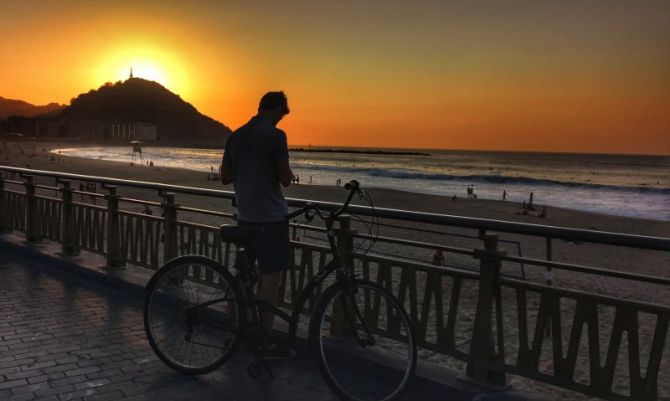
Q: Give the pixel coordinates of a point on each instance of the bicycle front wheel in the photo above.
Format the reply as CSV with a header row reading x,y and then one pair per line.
x,y
363,341
192,314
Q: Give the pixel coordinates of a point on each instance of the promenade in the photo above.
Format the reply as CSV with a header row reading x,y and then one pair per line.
x,y
68,337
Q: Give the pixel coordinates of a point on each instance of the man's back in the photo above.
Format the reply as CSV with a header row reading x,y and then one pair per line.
x,y
253,151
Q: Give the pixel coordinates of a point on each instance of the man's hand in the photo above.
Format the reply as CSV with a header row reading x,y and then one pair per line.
x,y
284,172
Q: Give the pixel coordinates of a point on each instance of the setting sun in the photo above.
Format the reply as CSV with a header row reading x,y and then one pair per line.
x,y
146,69
512,85
147,61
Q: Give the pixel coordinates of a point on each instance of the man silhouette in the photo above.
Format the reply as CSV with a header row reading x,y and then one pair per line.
x,y
256,162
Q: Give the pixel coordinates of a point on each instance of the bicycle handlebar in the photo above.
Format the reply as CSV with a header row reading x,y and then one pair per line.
x,y
352,186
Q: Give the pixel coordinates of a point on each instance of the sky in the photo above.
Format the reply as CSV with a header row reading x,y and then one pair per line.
x,y
557,76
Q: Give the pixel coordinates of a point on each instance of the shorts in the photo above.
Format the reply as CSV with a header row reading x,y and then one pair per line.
x,y
271,248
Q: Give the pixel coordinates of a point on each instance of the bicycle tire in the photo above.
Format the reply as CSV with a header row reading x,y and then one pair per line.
x,y
359,364
190,339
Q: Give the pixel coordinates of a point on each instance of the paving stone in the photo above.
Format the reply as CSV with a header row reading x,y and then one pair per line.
x,y
20,397
54,391
12,383
23,375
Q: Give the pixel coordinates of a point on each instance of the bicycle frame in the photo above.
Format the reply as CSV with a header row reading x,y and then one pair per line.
x,y
334,265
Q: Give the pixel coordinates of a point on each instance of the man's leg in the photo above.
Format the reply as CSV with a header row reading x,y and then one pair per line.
x,y
272,261
269,291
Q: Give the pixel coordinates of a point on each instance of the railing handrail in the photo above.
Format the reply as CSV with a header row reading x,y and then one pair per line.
x,y
572,234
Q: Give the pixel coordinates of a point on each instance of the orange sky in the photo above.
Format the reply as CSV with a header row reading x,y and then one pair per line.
x,y
569,76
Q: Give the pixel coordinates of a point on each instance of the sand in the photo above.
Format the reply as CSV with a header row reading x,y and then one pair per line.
x,y
617,258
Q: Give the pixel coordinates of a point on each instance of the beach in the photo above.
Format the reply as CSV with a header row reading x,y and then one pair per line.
x,y
616,258
484,208
605,184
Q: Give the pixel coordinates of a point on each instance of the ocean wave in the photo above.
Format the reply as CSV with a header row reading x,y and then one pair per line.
x,y
480,178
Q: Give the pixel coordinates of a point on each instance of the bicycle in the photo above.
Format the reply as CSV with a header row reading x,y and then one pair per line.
x,y
197,313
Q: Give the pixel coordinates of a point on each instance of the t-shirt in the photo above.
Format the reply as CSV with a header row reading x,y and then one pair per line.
x,y
251,153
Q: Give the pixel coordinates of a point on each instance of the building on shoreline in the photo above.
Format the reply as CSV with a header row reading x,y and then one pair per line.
x,y
74,128
83,129
133,130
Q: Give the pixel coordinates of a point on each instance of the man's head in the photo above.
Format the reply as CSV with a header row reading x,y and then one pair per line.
x,y
273,106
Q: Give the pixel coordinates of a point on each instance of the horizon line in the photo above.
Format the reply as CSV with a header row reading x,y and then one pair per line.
x,y
474,150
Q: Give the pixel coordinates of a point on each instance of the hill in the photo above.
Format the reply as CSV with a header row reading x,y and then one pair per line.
x,y
12,107
141,100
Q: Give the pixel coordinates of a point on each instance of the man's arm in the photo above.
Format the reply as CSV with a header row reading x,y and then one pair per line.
x,y
284,172
227,175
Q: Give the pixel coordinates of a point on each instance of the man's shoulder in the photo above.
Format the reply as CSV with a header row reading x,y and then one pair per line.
x,y
255,124
244,128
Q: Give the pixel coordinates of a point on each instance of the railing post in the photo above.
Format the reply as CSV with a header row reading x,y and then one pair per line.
x,y
32,233
114,257
482,345
69,247
169,226
345,250
4,224
549,281
345,240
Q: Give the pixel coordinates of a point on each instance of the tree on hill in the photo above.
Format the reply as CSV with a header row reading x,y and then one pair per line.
x,y
140,100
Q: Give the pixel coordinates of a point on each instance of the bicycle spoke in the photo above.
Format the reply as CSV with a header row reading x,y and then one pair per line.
x,y
192,325
349,357
208,345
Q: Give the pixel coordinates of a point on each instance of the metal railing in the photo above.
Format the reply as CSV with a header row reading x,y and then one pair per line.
x,y
494,323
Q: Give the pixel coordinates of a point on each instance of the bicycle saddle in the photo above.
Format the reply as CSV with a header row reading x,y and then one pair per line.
x,y
236,234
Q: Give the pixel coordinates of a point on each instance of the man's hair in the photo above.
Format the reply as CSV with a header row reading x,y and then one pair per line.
x,y
272,100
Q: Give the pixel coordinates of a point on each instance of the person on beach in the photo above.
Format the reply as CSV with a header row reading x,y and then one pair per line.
x,y
471,191
504,195
524,209
530,203
256,161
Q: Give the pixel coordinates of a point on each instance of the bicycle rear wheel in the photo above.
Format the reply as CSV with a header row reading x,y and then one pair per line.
x,y
363,341
192,314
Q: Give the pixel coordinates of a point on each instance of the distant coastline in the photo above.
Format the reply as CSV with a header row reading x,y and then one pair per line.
x,y
362,151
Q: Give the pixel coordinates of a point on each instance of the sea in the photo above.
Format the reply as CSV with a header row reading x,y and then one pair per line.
x,y
622,185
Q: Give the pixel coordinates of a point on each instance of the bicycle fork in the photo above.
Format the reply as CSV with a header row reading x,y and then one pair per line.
x,y
348,304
